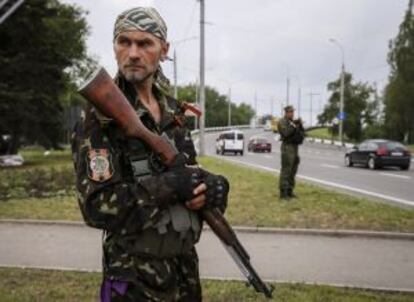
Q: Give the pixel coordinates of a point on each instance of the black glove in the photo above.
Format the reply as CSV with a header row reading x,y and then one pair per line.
x,y
175,184
217,191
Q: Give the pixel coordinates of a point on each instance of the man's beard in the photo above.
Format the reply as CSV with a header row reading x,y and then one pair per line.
x,y
137,78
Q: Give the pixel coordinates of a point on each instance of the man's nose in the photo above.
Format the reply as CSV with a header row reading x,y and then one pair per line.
x,y
134,52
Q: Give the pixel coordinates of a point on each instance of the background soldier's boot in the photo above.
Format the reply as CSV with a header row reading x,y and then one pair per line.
x,y
291,194
284,194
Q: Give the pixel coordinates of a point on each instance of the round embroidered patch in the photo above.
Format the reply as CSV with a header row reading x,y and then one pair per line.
x,y
100,167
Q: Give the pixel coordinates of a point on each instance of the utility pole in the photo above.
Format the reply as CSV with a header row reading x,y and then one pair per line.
x,y
229,111
299,100
287,89
202,79
341,105
255,109
197,101
311,95
272,100
342,92
175,75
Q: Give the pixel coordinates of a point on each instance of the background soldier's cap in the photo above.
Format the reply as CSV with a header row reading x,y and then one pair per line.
x,y
146,19
289,108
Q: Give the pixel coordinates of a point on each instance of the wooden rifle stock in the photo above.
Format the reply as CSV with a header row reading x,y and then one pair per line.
x,y
101,91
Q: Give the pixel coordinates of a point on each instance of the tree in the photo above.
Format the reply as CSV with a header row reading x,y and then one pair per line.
x,y
399,93
42,51
217,107
357,106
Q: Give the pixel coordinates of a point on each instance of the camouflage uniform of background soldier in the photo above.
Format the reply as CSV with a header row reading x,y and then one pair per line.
x,y
149,232
291,134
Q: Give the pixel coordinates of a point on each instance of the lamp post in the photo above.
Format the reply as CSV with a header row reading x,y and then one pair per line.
x,y
311,95
342,91
174,59
202,91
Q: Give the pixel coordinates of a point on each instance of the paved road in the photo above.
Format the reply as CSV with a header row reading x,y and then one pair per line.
x,y
345,261
324,164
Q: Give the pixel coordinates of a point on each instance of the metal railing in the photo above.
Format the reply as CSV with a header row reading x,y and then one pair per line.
x,y
217,129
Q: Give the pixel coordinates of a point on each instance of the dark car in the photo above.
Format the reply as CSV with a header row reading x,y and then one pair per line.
x,y
259,145
377,153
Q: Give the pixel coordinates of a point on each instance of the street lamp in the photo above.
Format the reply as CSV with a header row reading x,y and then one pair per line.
x,y
311,95
299,94
342,89
174,59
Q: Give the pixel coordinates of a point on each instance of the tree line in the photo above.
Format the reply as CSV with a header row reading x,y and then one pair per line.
x,y
43,58
217,107
373,114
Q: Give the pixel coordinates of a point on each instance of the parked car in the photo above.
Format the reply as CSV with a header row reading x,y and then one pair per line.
x,y
377,153
230,141
259,144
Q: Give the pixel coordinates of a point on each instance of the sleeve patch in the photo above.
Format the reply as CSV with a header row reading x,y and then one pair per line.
x,y
100,167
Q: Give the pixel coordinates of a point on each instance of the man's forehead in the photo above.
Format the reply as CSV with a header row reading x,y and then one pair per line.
x,y
134,34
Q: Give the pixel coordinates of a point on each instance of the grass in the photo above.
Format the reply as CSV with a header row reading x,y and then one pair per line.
x,y
54,208
320,133
49,285
35,157
411,147
253,199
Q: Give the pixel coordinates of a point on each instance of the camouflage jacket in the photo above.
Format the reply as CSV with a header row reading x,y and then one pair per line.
x,y
108,195
290,132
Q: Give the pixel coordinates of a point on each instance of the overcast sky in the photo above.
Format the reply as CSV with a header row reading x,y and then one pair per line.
x,y
253,45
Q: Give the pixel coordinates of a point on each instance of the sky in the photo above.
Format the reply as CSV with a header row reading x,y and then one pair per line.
x,y
253,46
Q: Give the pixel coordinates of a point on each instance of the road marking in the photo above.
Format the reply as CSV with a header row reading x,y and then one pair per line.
x,y
395,175
268,156
330,166
332,184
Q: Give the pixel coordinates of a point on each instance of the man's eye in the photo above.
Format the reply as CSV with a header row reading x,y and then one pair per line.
x,y
145,44
123,42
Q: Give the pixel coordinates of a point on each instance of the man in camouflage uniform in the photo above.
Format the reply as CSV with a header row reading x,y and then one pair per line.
x,y
291,134
149,214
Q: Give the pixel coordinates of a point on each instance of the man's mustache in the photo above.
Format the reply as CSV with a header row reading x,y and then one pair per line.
x,y
133,64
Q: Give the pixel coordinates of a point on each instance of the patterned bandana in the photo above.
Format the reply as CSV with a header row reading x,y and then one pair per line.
x,y
146,19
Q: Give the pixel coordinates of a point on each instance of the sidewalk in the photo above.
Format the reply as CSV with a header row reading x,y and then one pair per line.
x,y
355,261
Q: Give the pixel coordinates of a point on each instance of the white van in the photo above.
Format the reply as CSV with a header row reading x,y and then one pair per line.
x,y
230,141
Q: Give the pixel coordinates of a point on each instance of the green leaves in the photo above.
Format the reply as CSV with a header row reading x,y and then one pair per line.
x,y
43,41
399,93
217,107
358,106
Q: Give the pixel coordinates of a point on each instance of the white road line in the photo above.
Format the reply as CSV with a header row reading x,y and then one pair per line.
x,y
268,156
330,166
332,184
395,175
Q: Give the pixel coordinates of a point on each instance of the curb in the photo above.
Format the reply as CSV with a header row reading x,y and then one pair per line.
x,y
327,233
43,222
247,229
217,278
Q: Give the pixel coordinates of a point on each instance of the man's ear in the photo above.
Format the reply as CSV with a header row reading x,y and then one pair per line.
x,y
164,51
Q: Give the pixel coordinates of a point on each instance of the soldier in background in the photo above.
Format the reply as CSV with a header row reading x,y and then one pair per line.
x,y
291,134
149,214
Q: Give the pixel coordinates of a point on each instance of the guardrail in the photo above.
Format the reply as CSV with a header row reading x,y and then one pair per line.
x,y
217,129
328,142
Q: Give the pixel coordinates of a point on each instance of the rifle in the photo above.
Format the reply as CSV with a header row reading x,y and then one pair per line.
x,y
104,94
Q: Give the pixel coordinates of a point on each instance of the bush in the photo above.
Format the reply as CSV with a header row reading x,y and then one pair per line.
x,y
38,183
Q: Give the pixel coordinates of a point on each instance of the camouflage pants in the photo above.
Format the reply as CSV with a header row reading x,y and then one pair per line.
x,y
290,162
169,280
